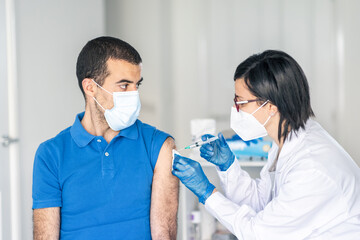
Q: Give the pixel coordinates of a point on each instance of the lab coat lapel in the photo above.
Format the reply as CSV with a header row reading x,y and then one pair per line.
x,y
291,146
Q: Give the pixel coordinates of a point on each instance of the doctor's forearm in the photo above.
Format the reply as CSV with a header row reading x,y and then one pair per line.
x,y
240,188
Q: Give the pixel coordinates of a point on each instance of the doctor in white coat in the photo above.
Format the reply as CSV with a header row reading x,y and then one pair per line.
x,y
309,188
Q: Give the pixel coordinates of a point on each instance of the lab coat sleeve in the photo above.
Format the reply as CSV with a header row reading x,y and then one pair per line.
x,y
240,188
306,201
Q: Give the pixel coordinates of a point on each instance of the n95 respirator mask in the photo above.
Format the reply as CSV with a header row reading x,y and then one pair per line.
x,y
246,125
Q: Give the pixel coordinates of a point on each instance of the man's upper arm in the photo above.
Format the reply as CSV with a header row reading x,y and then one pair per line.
x,y
46,223
165,195
46,194
46,190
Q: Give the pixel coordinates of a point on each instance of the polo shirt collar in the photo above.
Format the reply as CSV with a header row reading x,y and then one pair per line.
x,y
131,132
78,132
83,138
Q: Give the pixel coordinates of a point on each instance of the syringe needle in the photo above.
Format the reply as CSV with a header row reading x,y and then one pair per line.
x,y
200,143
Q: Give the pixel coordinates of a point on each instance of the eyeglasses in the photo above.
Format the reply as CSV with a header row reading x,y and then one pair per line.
x,y
238,103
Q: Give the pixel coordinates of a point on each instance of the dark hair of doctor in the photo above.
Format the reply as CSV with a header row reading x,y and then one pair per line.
x,y
275,76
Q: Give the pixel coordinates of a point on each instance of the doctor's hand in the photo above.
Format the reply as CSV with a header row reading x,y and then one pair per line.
x,y
192,176
217,152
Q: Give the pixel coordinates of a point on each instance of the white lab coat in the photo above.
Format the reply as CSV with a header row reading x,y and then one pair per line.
x,y
315,194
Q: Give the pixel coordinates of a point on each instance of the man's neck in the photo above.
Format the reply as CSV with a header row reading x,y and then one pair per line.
x,y
96,125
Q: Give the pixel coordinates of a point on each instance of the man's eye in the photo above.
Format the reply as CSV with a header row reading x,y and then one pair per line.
x,y
123,86
138,85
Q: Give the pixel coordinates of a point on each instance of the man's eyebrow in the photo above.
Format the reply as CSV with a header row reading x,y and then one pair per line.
x,y
124,81
128,81
141,79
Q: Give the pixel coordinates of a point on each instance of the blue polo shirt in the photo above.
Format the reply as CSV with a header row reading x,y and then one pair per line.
x,y
103,190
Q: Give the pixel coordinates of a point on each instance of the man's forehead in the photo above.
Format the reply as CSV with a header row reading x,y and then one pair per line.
x,y
111,62
122,67
121,71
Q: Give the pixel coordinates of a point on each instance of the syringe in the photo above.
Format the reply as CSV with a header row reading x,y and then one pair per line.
x,y
200,143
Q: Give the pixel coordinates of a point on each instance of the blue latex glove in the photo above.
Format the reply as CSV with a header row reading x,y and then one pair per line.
x,y
217,152
192,176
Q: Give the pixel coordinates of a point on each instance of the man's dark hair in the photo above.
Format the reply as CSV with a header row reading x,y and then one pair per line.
x,y
277,77
91,62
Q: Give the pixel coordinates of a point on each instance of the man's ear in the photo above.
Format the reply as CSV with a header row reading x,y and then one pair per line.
x,y
89,87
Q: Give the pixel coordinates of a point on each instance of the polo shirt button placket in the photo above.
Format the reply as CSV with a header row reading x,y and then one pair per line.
x,y
108,165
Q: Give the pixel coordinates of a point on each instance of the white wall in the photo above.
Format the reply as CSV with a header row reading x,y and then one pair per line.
x,y
146,26
50,35
191,49
348,48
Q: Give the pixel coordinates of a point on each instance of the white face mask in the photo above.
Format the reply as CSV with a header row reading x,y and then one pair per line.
x,y
125,111
246,125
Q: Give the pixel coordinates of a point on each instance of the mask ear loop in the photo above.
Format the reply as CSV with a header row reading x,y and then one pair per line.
x,y
267,120
99,104
102,87
260,106
271,115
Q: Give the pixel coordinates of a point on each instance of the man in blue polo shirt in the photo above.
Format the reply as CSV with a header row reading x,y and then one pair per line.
x,y
108,176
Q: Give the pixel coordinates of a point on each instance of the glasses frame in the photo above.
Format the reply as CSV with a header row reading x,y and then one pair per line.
x,y
238,103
